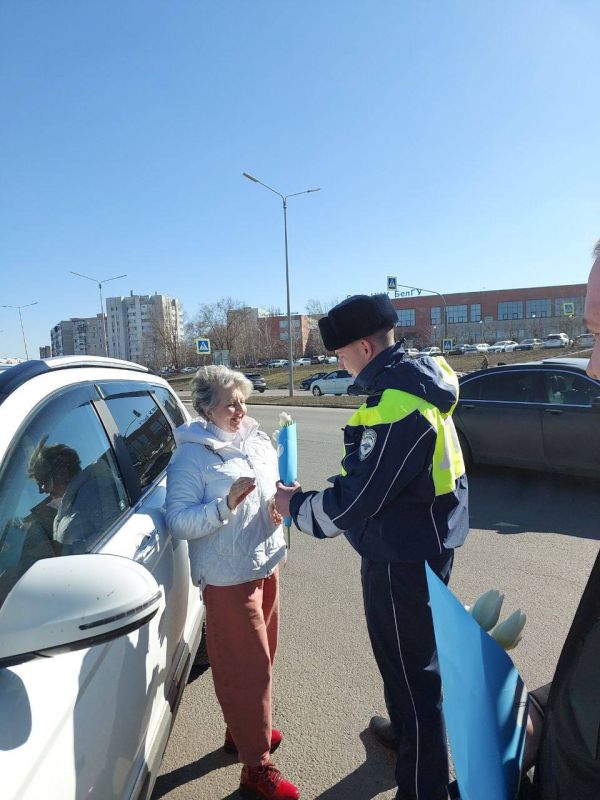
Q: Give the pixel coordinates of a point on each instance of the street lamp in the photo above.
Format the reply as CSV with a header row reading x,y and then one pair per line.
x,y
284,199
441,296
21,319
102,315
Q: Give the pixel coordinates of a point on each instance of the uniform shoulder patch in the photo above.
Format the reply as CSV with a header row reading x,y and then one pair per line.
x,y
367,443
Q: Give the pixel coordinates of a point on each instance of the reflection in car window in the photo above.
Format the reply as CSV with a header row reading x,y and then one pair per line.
x,y
145,430
60,489
170,405
508,387
565,388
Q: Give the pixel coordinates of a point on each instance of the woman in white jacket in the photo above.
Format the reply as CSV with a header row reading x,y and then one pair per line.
x,y
220,487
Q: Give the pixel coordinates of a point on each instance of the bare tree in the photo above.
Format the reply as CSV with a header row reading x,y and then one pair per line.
x,y
319,307
164,344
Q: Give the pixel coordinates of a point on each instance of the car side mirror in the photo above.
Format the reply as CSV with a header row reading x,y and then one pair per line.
x,y
74,602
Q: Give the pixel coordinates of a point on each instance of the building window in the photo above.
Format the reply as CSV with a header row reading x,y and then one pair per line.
x,y
406,317
513,309
457,313
475,312
538,308
283,323
436,315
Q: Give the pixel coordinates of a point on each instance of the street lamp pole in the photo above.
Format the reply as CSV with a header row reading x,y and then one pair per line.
x,y
102,314
441,296
284,199
21,321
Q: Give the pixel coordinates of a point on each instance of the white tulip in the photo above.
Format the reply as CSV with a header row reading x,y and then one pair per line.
x,y
276,435
486,609
508,633
284,419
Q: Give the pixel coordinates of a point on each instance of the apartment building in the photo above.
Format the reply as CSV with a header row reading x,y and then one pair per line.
x,y
79,336
144,328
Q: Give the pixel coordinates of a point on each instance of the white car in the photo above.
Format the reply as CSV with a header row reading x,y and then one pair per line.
x,y
336,382
99,621
583,340
505,346
557,340
430,351
277,362
301,362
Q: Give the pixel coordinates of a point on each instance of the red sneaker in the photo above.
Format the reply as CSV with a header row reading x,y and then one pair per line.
x,y
266,783
230,745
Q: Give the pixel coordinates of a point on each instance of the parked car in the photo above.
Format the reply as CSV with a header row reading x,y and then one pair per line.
x,y
330,360
543,415
277,362
481,347
318,359
504,346
258,382
457,350
557,340
99,620
302,362
430,351
336,382
411,352
306,383
586,340
530,344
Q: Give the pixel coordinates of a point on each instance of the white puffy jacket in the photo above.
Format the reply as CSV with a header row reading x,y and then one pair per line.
x,y
226,548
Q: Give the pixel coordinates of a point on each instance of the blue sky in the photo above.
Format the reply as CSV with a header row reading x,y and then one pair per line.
x,y
456,145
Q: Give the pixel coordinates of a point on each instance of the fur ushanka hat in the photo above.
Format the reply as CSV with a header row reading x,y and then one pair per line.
x,y
355,318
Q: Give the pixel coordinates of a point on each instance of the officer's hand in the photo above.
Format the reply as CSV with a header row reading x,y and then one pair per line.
x,y
283,496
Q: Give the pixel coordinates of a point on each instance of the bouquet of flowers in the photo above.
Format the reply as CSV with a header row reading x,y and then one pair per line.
x,y
286,440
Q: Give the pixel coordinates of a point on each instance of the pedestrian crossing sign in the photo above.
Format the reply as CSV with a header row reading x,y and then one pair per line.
x,y
392,283
569,309
203,347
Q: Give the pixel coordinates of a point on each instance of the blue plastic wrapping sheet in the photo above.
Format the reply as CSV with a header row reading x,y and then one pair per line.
x,y
485,701
287,456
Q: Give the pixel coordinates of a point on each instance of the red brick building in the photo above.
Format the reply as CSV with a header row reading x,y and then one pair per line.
x,y
489,316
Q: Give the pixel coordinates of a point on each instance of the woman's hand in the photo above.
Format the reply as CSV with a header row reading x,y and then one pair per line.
x,y
276,517
239,491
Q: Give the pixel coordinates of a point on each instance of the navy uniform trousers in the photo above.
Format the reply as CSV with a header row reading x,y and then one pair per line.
x,y
401,630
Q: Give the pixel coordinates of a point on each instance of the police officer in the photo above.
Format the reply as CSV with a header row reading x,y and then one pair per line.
x,y
401,501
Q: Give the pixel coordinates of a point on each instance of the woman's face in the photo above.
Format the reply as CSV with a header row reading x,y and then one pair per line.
x,y
230,410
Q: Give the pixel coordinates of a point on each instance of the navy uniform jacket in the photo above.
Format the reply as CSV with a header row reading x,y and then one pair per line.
x,y
402,492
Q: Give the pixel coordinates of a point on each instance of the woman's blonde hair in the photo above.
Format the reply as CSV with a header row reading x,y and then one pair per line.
x,y
209,383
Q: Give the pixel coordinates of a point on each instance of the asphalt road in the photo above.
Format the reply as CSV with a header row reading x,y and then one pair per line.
x,y
533,537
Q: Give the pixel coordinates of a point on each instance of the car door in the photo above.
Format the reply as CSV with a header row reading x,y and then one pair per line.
x,y
570,426
333,382
74,725
136,416
500,414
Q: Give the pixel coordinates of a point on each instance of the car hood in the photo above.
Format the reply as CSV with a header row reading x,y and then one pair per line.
x,y
432,379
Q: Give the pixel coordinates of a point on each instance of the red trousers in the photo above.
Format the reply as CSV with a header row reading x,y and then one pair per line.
x,y
242,629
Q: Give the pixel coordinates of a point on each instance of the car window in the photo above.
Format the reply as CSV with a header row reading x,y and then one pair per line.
x,y
332,375
170,405
470,390
566,388
508,387
60,487
147,435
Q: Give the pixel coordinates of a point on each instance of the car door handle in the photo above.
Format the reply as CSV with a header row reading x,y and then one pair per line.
x,y
554,411
465,407
149,545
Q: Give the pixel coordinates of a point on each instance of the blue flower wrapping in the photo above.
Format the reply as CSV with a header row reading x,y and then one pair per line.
x,y
287,457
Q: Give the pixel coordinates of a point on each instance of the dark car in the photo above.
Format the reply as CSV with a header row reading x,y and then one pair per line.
x,y
305,384
544,415
256,379
318,360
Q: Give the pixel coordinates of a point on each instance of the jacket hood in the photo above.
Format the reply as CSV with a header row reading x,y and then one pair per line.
x,y
197,432
431,379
